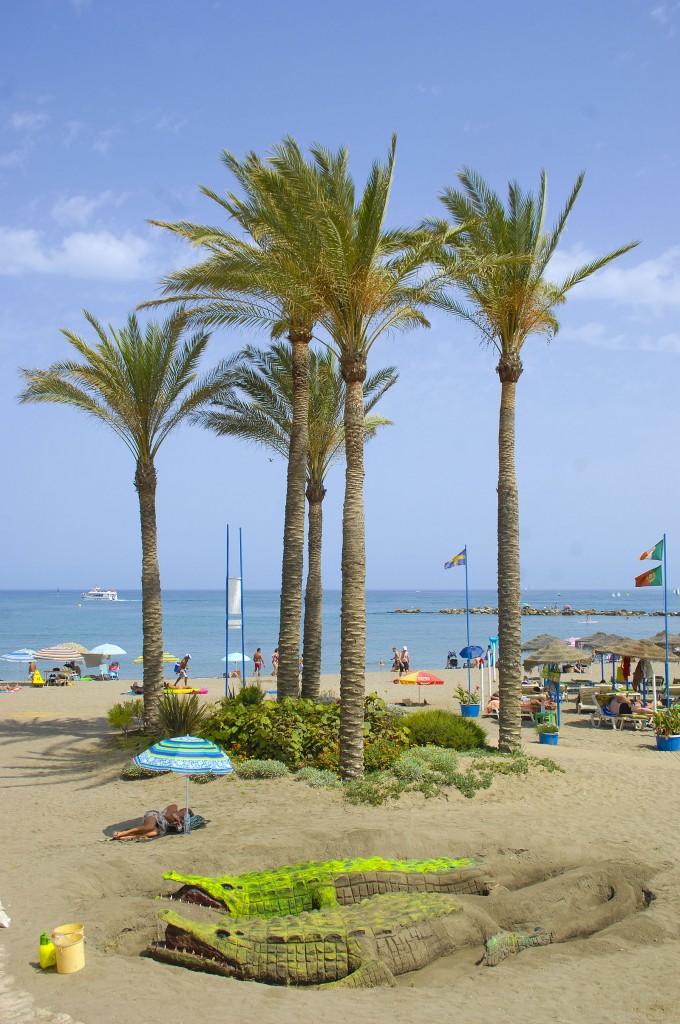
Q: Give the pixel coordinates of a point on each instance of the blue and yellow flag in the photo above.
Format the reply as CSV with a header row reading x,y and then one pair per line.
x,y
459,559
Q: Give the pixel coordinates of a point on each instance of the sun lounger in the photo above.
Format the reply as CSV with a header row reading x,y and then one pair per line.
x,y
603,716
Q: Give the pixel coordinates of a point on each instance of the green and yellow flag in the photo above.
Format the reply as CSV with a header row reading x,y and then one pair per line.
x,y
651,578
656,553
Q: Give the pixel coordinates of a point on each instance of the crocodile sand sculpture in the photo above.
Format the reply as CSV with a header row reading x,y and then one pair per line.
x,y
314,885
368,943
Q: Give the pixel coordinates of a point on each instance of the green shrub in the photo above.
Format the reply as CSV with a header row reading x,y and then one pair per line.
x,y
300,732
439,759
547,729
410,768
445,729
251,694
255,769
125,715
130,772
181,714
318,778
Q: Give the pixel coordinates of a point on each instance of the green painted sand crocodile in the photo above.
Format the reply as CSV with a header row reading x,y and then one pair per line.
x,y
333,883
357,946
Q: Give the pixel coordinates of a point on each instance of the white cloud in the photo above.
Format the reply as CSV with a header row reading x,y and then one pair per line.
x,y
76,211
103,140
27,121
654,282
98,255
600,336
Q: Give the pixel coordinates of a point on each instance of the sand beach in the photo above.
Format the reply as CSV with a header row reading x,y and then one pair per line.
x,y
615,803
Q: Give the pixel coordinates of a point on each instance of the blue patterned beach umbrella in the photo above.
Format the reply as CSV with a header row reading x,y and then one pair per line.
x,y
185,755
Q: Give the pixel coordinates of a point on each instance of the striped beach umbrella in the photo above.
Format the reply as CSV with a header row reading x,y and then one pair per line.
x,y
24,655
185,755
61,653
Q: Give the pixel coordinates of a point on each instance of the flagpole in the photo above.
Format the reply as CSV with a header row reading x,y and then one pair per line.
x,y
226,625
467,616
243,624
665,612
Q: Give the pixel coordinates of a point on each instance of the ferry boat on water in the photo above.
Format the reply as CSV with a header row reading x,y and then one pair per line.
x,y
97,594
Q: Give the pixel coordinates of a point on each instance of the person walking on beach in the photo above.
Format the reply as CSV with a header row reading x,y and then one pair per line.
x,y
405,659
275,662
182,671
258,663
396,660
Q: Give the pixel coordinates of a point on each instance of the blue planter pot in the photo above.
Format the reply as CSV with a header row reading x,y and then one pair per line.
x,y
668,742
550,738
470,710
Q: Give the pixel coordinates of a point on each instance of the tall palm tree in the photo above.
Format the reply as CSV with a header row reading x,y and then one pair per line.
x,y
142,386
508,298
264,280
371,282
260,410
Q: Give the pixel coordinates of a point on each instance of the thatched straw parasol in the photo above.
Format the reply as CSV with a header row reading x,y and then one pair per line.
x,y
536,642
660,638
595,638
558,653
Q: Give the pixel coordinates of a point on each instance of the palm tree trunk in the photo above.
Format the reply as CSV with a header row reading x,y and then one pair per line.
x,y
152,604
509,591
311,646
294,523
353,612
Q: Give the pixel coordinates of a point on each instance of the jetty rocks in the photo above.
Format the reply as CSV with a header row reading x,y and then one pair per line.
x,y
488,610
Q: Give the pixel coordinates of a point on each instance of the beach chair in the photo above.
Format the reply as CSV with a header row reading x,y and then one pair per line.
x,y
586,700
603,716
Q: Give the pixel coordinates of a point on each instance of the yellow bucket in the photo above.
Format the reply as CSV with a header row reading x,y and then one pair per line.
x,y
69,942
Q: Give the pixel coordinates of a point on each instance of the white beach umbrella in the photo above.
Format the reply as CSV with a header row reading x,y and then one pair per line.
x,y
108,650
236,656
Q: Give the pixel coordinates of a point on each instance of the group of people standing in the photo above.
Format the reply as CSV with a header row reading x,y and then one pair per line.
x,y
401,660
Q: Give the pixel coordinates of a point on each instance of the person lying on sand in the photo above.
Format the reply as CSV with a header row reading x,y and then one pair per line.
x,y
170,819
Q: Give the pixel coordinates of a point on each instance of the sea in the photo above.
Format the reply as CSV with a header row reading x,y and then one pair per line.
x,y
194,623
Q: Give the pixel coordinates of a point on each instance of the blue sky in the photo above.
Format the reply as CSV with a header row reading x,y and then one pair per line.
x,y
112,112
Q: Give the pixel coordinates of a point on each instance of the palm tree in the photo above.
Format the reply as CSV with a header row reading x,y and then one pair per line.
x,y
260,410
264,281
142,386
371,282
508,298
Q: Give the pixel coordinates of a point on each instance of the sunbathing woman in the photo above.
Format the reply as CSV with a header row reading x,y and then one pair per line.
x,y
170,819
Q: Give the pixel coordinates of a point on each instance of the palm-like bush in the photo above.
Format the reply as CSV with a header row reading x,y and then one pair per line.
x,y
181,714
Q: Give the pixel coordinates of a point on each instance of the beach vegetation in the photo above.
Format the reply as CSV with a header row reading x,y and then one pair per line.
x,y
547,729
251,694
261,769
260,410
467,697
499,263
301,733
666,721
142,384
262,277
443,728
181,714
126,715
318,778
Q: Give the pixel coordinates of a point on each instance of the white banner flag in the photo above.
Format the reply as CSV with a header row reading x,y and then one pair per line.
x,y
234,596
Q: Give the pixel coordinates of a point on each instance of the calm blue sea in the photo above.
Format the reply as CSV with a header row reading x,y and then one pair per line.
x,y
194,623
